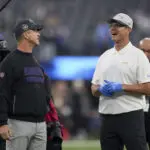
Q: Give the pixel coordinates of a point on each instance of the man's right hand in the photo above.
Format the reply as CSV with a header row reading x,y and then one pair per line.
x,y
5,132
105,91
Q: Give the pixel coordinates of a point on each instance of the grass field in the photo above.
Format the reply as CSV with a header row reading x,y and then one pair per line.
x,y
81,145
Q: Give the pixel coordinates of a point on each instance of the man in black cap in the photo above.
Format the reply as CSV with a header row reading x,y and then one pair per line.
x,y
23,96
3,53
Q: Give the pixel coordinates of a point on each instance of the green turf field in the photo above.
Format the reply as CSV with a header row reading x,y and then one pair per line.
x,y
81,145
81,148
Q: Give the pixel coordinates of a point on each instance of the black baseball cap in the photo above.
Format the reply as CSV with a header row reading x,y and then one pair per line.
x,y
26,25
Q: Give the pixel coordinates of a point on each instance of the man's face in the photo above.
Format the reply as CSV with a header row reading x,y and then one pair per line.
x,y
145,47
33,37
119,31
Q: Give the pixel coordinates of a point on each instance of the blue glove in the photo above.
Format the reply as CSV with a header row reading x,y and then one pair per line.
x,y
105,91
113,86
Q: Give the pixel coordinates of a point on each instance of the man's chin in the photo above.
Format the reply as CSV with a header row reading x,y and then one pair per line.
x,y
38,43
114,39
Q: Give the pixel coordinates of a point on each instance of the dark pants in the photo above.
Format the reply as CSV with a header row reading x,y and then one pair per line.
x,y
123,129
52,146
2,144
147,127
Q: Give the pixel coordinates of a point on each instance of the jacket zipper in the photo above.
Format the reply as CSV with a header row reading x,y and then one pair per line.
x,y
14,103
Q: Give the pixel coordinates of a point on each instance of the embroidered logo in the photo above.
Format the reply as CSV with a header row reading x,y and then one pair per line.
x,y
25,27
124,62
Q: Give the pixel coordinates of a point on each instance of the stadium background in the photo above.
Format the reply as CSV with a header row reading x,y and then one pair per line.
x,y
75,34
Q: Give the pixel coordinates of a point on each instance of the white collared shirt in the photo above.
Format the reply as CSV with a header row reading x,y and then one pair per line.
x,y
127,66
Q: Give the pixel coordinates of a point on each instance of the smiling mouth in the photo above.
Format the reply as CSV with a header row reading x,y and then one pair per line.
x,y
114,34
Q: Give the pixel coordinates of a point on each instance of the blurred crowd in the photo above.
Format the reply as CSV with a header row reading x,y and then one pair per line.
x,y
74,27
77,108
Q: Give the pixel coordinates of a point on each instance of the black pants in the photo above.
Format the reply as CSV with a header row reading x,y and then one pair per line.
x,y
2,144
147,127
123,129
52,146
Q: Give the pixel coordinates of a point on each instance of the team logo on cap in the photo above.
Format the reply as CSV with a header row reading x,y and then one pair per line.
x,y
25,27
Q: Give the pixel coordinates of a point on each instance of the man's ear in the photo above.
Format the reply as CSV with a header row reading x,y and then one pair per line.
x,y
129,30
26,35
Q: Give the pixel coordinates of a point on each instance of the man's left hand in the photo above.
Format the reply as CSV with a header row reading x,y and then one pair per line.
x,y
113,86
